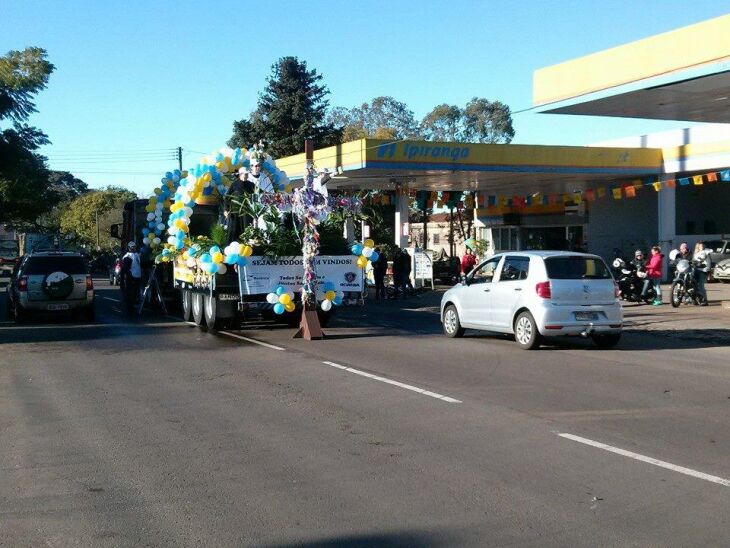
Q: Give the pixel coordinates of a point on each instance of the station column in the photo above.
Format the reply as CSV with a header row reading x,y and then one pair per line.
x,y
401,215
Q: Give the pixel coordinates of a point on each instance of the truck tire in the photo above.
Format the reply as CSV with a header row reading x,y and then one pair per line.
x,y
211,308
186,304
198,308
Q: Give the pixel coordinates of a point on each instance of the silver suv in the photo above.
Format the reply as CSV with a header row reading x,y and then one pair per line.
x,y
535,295
51,282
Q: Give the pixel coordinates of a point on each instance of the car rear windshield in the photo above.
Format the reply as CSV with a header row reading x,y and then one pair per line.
x,y
576,268
45,265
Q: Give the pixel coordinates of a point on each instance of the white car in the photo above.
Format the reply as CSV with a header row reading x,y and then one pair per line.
x,y
536,295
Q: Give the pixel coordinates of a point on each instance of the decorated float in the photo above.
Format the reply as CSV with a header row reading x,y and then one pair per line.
x,y
245,242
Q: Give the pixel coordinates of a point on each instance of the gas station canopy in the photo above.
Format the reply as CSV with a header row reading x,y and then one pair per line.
x,y
679,75
381,164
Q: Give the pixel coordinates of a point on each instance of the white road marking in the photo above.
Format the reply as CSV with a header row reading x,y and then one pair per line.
x,y
113,300
650,460
85,325
254,341
394,383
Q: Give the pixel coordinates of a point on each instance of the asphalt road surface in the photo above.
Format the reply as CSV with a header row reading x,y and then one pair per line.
x,y
152,432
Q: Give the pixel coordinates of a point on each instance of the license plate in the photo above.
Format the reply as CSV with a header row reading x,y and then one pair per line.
x,y
57,307
586,316
227,297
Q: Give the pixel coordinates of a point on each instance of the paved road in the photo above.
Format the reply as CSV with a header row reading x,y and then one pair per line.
x,y
154,433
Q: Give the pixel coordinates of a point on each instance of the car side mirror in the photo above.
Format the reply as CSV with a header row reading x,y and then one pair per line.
x,y
465,280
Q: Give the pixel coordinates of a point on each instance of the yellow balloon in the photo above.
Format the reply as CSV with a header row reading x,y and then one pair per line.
x,y
285,299
184,173
158,191
179,223
246,250
330,295
219,165
369,243
289,307
362,261
206,177
217,257
288,189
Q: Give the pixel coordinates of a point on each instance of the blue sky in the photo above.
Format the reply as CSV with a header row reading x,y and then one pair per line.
x,y
136,79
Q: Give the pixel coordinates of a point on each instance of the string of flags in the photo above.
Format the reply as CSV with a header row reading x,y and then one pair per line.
x,y
458,199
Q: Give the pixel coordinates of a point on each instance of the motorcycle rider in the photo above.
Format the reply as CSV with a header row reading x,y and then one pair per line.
x,y
638,263
703,266
654,274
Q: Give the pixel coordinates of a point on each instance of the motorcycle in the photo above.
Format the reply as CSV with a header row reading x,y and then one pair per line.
x,y
115,275
630,282
684,287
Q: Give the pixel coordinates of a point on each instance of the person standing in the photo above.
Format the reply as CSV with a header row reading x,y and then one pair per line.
x,y
406,273
654,274
703,265
397,271
380,267
131,276
468,262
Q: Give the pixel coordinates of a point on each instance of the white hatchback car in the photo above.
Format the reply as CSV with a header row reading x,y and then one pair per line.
x,y
535,295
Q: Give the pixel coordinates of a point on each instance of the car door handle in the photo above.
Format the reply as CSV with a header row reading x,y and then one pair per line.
x,y
518,289
486,291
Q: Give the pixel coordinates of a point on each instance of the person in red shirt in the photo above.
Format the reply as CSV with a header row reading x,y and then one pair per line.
x,y
468,262
654,274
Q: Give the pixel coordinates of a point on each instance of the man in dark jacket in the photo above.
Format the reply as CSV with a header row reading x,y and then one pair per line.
x,y
380,267
406,273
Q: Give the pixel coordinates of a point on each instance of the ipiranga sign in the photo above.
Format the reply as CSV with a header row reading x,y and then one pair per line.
x,y
262,274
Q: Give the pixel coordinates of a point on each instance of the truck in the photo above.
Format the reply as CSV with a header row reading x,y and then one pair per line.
x,y
9,254
240,295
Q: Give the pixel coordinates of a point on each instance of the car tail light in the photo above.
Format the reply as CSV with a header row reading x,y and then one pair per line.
x,y
23,283
543,290
89,283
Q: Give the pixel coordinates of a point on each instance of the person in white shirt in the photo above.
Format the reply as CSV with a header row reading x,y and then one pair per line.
x,y
131,276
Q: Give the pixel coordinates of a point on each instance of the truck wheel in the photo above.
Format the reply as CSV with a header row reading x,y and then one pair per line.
x,y
198,305
186,301
212,317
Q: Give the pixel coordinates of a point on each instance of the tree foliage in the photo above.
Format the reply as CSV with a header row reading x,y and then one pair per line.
x,y
480,121
291,108
382,118
80,216
23,176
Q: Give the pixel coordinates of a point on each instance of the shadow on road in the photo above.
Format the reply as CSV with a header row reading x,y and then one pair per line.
x,y
392,540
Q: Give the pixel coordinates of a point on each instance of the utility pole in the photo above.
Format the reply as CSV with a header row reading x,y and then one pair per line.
x,y
179,158
97,230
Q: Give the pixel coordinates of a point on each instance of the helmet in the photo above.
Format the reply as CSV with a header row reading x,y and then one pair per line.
x,y
131,246
638,252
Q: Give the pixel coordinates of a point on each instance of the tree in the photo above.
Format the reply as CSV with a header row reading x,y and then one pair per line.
x,y
23,176
291,109
93,213
480,121
382,118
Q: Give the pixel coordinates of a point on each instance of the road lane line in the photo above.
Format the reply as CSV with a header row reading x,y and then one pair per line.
x,y
254,341
650,460
394,383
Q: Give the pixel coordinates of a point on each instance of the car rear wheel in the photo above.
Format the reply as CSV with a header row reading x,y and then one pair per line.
x,y
452,325
198,305
606,340
20,315
526,333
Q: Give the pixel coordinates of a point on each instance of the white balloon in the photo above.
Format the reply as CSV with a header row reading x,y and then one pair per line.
x,y
326,305
272,298
222,269
157,241
190,262
150,216
160,227
171,240
367,251
188,211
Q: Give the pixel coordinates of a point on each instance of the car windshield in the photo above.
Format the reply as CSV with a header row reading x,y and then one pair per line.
x,y
576,268
714,245
45,265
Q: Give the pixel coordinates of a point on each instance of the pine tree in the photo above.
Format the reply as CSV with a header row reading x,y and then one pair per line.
x,y
291,109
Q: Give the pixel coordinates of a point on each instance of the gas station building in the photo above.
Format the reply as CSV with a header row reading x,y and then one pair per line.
x,y
628,193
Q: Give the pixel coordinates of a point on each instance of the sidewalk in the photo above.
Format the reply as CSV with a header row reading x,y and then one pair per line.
x,y
709,323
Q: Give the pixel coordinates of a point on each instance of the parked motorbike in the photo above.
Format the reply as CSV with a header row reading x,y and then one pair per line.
x,y
630,282
115,274
684,286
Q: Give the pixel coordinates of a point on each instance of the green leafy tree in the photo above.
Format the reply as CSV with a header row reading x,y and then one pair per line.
x,y
93,213
381,118
480,121
291,109
23,178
